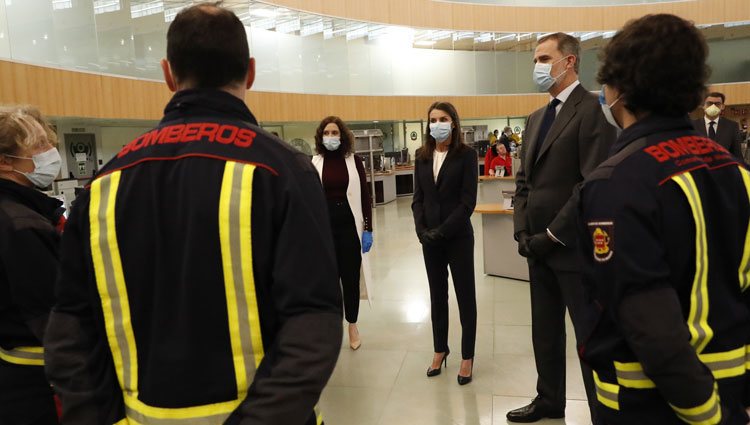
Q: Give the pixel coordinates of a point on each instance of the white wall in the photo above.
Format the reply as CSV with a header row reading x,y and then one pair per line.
x,y
115,138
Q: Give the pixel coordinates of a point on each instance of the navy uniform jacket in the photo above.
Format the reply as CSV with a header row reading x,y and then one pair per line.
x,y
664,232
198,281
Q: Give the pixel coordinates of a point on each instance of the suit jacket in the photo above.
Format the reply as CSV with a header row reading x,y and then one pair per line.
x,y
448,203
727,134
546,186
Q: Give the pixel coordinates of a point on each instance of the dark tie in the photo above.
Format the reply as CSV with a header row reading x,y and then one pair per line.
x,y
549,118
712,130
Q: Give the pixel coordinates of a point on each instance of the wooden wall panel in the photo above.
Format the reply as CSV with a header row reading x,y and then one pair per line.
x,y
74,94
447,15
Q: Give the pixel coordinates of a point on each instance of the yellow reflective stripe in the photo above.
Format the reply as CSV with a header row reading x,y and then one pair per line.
x,y
700,332
607,394
728,364
747,357
246,245
708,413
318,416
141,413
37,350
745,264
631,375
244,322
123,422
24,356
110,280
235,233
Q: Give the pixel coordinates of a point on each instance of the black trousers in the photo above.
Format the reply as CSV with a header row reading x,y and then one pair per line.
x,y
348,255
551,292
458,254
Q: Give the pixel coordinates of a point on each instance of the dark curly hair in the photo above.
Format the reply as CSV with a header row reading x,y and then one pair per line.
x,y
658,64
347,137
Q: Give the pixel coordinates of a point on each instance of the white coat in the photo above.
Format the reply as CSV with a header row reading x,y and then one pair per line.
x,y
354,197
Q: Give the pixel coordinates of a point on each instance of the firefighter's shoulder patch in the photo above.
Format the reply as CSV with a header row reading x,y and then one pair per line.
x,y
603,237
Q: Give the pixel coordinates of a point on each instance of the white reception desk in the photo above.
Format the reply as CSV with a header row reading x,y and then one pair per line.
x,y
491,188
501,257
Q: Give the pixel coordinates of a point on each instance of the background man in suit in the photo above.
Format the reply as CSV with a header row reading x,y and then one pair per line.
x,y
565,140
721,130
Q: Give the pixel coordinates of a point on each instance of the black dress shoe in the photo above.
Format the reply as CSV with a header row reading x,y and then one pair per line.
x,y
463,380
535,411
435,372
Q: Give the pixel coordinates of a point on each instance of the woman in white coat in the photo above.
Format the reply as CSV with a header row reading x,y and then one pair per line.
x,y
350,210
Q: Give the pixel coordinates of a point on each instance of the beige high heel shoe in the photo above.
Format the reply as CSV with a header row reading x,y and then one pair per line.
x,y
354,340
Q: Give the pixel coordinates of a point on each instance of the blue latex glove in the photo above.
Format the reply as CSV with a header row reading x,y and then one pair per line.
x,y
366,241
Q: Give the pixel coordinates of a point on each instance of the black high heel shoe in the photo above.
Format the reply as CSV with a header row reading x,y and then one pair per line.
x,y
435,372
463,380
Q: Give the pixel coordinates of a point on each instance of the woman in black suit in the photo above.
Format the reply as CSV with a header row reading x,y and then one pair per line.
x,y
445,193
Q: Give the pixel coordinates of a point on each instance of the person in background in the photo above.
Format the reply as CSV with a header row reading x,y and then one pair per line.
x,y
30,227
564,141
507,137
198,277
494,136
491,152
665,233
349,210
502,161
717,128
445,194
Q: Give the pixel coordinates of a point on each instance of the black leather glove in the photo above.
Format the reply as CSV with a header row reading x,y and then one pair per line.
x,y
523,244
541,245
429,237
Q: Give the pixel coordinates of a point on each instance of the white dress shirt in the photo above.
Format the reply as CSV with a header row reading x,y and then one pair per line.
x,y
438,158
708,122
564,95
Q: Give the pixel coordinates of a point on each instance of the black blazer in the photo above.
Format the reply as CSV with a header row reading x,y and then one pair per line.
x,y
448,203
727,134
578,141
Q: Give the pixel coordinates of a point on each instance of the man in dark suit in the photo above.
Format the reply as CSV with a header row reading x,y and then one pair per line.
x,y
721,130
565,140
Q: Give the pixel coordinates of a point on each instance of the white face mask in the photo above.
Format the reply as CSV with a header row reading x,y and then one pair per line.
x,y
46,167
441,131
713,111
607,109
543,75
331,143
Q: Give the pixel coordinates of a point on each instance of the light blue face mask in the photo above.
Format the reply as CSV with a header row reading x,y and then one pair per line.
x,y
607,109
331,143
441,131
543,75
46,167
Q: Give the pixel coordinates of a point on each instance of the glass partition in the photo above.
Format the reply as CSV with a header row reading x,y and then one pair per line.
x,y
299,52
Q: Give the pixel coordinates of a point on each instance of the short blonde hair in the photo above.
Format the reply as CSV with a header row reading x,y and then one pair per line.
x,y
24,127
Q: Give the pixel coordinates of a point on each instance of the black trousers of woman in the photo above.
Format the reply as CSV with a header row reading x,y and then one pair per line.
x,y
458,254
348,255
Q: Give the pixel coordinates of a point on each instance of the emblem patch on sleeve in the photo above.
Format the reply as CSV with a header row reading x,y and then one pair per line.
x,y
603,238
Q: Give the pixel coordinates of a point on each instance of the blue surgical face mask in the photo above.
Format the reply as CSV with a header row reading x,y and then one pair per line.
x,y
331,143
607,109
441,131
543,75
46,168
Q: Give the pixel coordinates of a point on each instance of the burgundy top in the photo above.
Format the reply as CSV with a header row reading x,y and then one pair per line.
x,y
336,180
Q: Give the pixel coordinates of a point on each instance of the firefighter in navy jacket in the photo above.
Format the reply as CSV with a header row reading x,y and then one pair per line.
x,y
198,281
664,229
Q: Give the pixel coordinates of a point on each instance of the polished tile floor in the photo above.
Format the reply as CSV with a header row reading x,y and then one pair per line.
x,y
384,381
